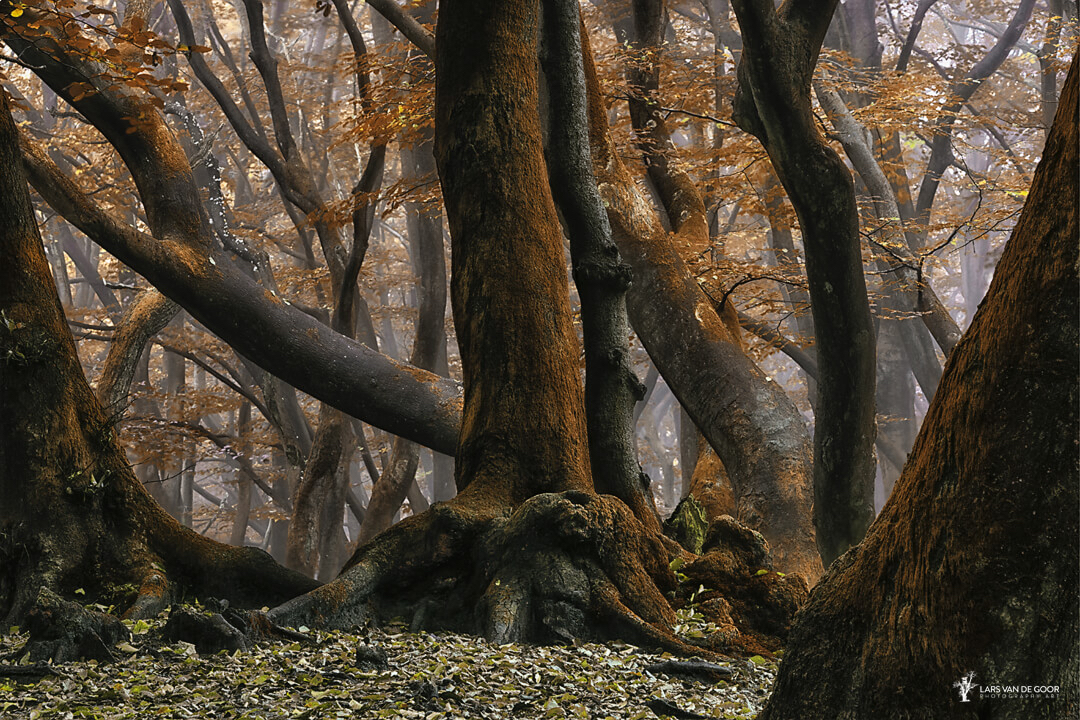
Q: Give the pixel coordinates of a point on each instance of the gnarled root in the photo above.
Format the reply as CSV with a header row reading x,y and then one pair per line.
x,y
753,604
561,567
62,631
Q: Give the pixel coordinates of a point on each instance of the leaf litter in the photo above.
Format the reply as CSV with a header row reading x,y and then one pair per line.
x,y
377,673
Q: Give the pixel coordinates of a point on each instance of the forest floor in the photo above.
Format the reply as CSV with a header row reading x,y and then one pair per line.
x,y
387,673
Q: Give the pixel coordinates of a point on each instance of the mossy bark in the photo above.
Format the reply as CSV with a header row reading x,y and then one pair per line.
x,y
972,566
72,513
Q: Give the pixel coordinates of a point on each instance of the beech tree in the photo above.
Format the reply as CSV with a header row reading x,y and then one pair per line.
x,y
523,455
554,533
972,565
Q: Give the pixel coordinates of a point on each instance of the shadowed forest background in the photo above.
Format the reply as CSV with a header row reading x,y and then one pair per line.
x,y
500,322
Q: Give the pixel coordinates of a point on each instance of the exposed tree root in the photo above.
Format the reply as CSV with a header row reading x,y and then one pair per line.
x,y
61,631
562,567
753,604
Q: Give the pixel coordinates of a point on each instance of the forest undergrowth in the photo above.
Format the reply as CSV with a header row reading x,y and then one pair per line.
x,y
377,673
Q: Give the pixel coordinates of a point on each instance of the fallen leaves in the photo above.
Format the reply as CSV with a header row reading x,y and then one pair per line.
x,y
425,676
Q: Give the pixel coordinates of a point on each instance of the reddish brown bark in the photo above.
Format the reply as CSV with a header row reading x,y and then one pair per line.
x,y
972,565
508,280
526,551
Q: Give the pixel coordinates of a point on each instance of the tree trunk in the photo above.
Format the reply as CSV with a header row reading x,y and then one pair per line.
x,y
972,566
780,50
518,348
72,513
526,551
764,446
144,318
611,388
895,399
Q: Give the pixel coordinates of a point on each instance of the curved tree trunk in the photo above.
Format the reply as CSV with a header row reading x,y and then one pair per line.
x,y
780,50
764,445
145,317
72,513
179,260
527,550
972,566
611,387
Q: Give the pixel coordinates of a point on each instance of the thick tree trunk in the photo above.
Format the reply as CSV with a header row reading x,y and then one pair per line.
x,y
972,566
72,513
780,50
508,282
526,551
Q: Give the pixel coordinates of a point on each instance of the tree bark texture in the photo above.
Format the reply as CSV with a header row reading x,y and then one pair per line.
x,y
754,427
611,387
72,513
509,290
144,318
972,565
780,50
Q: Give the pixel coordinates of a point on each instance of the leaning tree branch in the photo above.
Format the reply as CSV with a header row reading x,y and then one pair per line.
x,y
914,289
264,328
419,35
